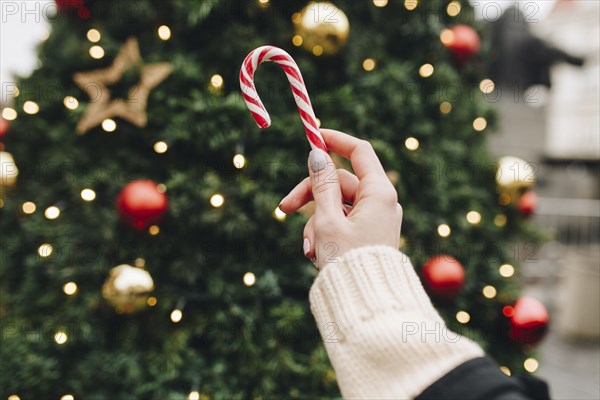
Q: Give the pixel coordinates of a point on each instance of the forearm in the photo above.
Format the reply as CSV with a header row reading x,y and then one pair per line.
x,y
382,334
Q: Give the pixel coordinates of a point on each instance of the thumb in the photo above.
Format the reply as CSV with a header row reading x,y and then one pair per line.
x,y
325,183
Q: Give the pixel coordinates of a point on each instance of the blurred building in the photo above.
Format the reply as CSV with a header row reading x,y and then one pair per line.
x,y
554,123
573,119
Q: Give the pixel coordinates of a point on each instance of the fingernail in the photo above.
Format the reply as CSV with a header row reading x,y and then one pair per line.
x,y
317,159
306,246
282,201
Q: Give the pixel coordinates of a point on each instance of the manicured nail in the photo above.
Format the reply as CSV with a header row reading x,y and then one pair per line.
x,y
306,246
282,201
317,159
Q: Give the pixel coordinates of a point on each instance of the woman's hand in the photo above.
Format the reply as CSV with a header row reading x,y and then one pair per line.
x,y
375,216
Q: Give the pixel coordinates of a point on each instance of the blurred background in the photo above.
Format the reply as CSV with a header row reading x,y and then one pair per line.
x,y
545,71
555,123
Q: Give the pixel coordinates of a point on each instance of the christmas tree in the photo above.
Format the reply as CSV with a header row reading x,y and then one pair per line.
x,y
144,255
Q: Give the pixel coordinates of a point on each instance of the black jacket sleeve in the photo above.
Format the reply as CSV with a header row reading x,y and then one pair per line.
x,y
481,378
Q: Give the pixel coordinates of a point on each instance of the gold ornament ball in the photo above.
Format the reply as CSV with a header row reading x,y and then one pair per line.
x,y
324,28
514,176
8,170
127,288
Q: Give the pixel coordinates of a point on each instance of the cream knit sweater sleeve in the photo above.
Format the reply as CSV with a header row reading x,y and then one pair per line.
x,y
383,336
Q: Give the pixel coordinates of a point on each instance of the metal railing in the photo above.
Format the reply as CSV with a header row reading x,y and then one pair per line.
x,y
570,221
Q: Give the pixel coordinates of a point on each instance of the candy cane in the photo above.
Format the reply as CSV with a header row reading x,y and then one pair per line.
x,y
255,105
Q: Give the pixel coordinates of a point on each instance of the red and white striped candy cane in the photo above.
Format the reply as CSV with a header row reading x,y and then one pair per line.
x,y
255,105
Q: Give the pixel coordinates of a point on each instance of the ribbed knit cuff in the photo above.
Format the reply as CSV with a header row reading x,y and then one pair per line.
x,y
382,334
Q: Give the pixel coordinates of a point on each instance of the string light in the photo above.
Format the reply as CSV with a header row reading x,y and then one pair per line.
x,y
426,70
88,194
44,35
479,124
411,4
446,36
71,102
52,212
161,187
263,2
487,86
296,17
504,199
61,337
369,64
317,50
14,397
505,369
506,270
176,315
67,397
444,230
109,125
216,81
161,147
453,8
473,217
96,52
489,292
151,301
531,365
70,288
217,200
380,3
463,317
411,143
249,279
9,114
154,230
31,107
508,311
194,395
45,250
297,40
93,35
318,122
16,92
403,241
279,215
164,32
29,207
500,220
445,107
239,161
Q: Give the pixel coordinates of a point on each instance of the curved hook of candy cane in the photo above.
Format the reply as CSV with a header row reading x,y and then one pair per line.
x,y
257,108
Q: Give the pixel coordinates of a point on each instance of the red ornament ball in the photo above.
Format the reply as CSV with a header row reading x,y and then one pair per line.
x,y
528,321
141,204
3,127
83,13
66,5
528,203
443,276
462,40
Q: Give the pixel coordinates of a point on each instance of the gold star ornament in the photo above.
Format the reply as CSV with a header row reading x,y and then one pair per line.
x,y
133,108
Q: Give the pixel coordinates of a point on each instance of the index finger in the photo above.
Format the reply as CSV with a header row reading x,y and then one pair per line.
x,y
360,153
